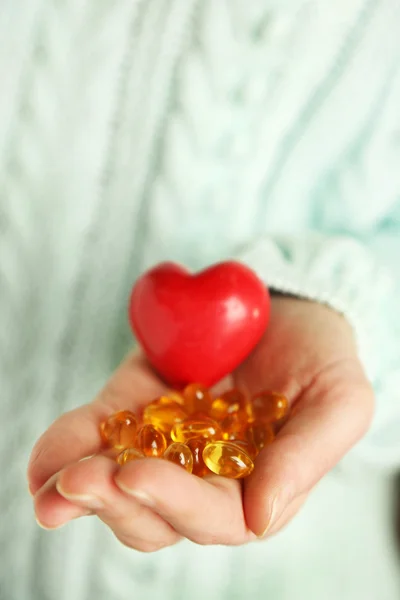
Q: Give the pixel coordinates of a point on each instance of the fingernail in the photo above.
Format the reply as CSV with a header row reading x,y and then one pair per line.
x,y
86,457
85,513
88,501
272,517
278,505
139,495
48,527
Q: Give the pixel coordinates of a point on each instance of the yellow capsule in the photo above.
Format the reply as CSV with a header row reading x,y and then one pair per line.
x,y
248,446
269,407
233,426
227,459
151,441
176,397
128,455
181,455
219,409
163,413
232,401
192,428
119,430
197,398
196,445
199,415
261,434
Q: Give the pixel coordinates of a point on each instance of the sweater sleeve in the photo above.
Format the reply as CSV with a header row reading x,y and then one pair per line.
x,y
360,279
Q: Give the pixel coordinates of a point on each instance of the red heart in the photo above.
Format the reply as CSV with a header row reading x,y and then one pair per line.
x,y
198,328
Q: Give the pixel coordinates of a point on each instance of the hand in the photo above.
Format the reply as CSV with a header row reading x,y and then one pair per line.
x,y
308,353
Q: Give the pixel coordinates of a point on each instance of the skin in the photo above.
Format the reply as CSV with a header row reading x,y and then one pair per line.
x,y
308,353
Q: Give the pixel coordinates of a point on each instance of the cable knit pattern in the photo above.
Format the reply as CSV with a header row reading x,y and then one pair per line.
x,y
132,131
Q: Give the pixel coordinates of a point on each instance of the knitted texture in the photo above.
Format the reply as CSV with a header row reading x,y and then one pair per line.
x,y
138,130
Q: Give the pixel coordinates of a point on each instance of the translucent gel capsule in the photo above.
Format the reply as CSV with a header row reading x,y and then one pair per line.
x,y
199,467
181,455
176,397
200,415
128,455
232,401
163,413
192,428
227,459
261,434
151,441
248,446
269,407
197,398
119,430
234,426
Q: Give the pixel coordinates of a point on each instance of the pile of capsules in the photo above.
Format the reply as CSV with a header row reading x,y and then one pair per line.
x,y
201,433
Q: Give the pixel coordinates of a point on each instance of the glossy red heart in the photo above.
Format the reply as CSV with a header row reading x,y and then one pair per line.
x,y
198,328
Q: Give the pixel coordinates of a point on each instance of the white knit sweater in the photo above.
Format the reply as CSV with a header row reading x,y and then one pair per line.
x,y
134,130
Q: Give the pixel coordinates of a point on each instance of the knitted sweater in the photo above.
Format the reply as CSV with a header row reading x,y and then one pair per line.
x,y
132,131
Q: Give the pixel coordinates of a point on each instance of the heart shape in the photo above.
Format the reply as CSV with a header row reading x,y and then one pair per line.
x,y
198,327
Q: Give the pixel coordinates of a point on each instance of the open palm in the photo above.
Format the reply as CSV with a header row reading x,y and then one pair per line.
x,y
308,353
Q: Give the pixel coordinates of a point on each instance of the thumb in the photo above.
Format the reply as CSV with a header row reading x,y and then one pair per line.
x,y
328,418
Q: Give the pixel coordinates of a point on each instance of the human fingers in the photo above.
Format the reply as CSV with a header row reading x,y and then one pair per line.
x,y
326,421
206,511
52,510
288,514
76,434
88,487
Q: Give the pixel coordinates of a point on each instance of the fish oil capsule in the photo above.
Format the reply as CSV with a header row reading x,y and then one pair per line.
x,y
232,401
227,459
163,413
197,398
181,455
269,407
128,455
261,434
248,446
234,426
200,415
176,397
196,445
119,430
193,428
151,441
